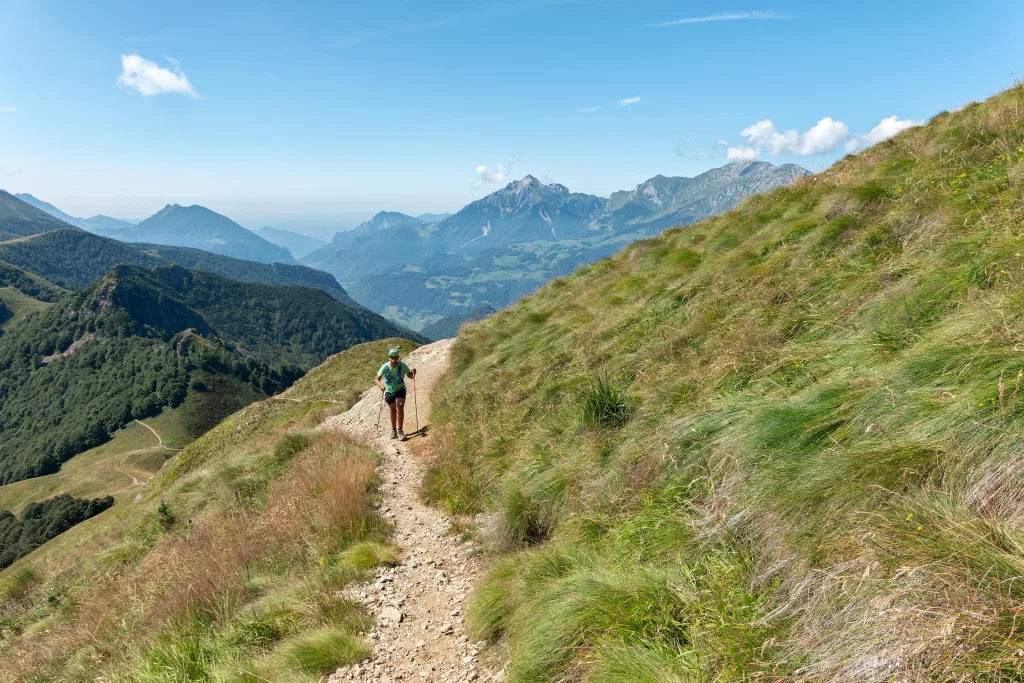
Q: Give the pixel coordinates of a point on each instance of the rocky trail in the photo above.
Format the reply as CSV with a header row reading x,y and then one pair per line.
x,y
419,605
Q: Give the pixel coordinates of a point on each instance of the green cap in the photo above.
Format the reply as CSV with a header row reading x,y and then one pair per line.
x,y
393,352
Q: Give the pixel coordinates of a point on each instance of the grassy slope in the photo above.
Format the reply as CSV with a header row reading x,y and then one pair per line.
x,y
19,304
105,470
780,443
239,580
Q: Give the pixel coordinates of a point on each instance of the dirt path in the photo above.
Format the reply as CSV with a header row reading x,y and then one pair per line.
x,y
419,605
160,439
135,480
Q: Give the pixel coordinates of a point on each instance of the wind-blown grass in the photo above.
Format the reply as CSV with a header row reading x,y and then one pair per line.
x,y
819,477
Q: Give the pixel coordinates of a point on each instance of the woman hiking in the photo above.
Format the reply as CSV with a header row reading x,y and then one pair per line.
x,y
391,380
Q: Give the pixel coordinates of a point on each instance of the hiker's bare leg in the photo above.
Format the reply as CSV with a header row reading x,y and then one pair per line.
x,y
394,413
400,402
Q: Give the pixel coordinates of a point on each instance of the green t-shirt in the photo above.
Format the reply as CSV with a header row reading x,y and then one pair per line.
x,y
393,377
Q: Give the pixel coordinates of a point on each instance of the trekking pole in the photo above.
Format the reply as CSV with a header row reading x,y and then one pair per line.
x,y
415,404
379,412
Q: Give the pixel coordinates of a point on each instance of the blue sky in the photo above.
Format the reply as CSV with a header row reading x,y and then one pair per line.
x,y
315,115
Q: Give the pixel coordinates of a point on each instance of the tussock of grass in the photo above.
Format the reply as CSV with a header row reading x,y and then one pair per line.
x,y
816,474
322,651
604,406
369,554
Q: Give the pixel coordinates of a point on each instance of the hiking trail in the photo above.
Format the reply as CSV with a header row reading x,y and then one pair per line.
x,y
419,605
160,439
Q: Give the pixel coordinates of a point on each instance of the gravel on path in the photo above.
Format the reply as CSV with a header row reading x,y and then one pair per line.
x,y
420,604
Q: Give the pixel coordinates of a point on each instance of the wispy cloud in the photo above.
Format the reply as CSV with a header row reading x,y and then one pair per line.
x,y
150,79
588,110
628,102
725,16
7,110
494,174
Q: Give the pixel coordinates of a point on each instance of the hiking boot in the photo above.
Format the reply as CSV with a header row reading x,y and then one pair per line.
x,y
401,435
394,433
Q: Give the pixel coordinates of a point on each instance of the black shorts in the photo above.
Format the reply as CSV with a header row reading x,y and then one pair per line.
x,y
389,398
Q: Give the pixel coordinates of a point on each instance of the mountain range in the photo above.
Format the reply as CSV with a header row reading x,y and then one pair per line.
x,y
295,242
183,226
504,246
71,258
420,269
95,224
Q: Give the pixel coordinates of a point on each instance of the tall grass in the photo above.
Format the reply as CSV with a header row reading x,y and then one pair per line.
x,y
818,478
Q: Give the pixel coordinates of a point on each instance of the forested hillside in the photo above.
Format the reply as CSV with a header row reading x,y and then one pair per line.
x,y
781,444
137,341
28,283
39,522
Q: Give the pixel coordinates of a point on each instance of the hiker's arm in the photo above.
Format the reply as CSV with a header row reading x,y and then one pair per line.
x,y
380,385
412,373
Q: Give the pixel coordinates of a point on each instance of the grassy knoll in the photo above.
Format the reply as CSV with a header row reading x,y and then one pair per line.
x,y
229,569
781,444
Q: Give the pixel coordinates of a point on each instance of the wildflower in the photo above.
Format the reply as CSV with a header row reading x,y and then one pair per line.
x,y
918,528
909,517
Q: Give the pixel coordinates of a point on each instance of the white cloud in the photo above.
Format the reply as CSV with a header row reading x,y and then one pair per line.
x,y
494,174
7,110
588,110
742,153
722,143
628,101
725,16
885,129
150,79
821,138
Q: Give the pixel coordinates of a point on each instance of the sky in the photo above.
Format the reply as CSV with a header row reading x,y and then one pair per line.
x,y
313,116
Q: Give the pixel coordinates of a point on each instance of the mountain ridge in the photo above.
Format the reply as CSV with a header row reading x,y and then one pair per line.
x,y
505,245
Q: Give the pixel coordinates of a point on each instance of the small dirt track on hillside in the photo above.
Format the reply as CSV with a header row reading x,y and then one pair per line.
x,y
419,605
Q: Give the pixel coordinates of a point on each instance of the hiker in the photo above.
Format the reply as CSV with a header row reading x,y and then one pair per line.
x,y
390,379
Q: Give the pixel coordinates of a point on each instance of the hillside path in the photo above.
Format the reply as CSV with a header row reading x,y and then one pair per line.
x,y
160,439
419,605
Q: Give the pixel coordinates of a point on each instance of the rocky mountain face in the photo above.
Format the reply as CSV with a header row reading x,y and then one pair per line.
x,y
504,246
663,202
522,211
